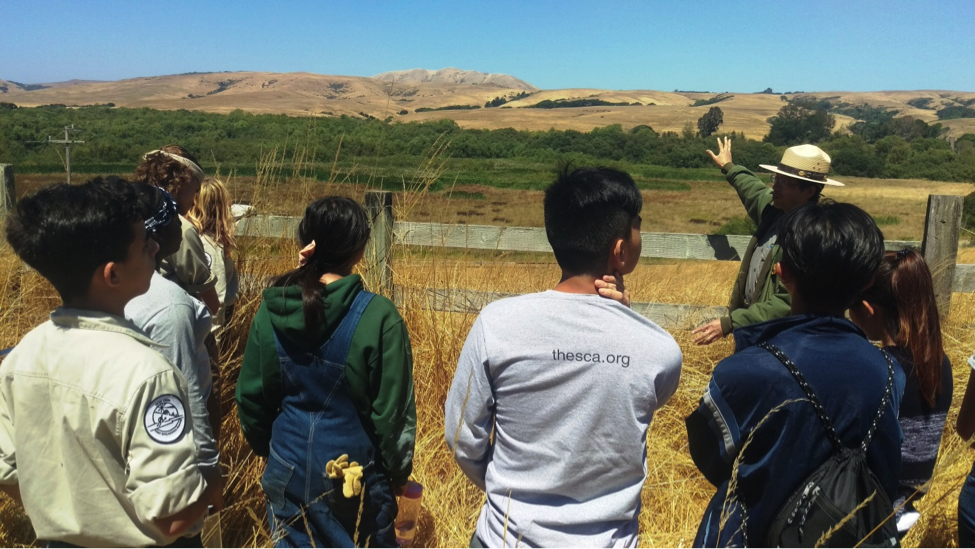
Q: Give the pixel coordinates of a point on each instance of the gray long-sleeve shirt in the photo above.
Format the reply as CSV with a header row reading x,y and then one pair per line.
x,y
569,384
179,324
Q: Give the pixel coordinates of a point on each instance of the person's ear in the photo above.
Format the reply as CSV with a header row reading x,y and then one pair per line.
x,y
617,257
109,275
785,276
867,307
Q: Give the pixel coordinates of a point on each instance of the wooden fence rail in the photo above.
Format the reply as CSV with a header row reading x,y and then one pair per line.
x,y
939,248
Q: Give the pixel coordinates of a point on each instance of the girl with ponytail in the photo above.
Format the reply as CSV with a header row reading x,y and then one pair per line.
x,y
326,391
900,311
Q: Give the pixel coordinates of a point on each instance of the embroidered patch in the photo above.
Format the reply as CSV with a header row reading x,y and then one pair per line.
x,y
165,419
209,260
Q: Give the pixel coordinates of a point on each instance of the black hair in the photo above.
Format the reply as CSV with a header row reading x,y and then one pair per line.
x,y
66,232
149,199
340,228
832,250
586,210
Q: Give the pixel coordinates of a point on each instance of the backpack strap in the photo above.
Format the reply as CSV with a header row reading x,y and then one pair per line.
x,y
818,407
806,388
883,403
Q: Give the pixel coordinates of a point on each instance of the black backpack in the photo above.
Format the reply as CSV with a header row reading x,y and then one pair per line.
x,y
831,493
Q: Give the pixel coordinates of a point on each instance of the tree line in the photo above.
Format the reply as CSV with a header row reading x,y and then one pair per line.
x,y
890,147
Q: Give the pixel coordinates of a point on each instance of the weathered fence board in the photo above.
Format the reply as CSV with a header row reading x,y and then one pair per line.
x,y
8,196
529,239
940,248
472,301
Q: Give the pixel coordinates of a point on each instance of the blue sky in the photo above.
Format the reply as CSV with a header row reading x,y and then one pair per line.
x,y
705,45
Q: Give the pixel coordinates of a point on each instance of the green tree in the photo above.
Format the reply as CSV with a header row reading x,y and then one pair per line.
x,y
796,124
708,124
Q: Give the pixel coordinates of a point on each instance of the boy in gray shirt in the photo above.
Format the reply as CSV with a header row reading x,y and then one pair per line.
x,y
567,381
179,325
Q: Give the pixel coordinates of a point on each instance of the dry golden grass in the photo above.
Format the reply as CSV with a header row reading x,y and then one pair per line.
x,y
675,494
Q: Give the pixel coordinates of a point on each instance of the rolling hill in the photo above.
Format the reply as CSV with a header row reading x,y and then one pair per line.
x,y
400,94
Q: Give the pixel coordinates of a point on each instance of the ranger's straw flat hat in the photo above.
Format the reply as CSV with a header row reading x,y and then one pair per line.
x,y
806,162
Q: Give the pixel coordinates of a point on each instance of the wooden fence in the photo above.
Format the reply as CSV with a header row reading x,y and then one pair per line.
x,y
939,247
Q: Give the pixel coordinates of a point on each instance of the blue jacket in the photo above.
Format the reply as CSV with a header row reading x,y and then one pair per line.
x,y
848,375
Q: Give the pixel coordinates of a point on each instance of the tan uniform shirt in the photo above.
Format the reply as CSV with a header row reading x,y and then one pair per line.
x,y
190,266
94,427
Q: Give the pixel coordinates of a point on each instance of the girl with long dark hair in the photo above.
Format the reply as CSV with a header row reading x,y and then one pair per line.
x,y
326,392
900,311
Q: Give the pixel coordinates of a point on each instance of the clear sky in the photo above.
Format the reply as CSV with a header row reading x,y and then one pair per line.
x,y
744,46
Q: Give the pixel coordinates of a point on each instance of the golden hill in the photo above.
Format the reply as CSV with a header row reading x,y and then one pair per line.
x,y
399,94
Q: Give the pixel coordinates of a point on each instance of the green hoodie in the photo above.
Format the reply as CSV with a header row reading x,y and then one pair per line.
x,y
379,369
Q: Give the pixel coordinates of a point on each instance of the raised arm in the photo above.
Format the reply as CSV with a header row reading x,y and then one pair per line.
x,y
723,157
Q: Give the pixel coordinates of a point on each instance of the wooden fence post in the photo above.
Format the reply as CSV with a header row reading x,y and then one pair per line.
x,y
8,196
379,276
940,245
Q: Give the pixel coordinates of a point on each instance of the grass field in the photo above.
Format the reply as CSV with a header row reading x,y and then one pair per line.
x,y
675,494
509,192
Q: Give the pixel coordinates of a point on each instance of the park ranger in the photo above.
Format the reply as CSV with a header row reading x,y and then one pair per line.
x,y
758,294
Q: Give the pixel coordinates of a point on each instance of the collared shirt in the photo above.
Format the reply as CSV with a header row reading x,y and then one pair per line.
x,y
94,428
179,325
190,266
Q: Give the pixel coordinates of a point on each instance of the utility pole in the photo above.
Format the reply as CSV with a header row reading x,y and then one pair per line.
x,y
67,146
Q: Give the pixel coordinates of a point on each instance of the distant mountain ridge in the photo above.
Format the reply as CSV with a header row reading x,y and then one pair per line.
x,y
452,75
472,99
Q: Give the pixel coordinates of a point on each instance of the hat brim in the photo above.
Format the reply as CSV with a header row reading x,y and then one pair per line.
x,y
828,181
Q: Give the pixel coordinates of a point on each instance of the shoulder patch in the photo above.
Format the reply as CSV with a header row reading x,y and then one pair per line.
x,y
209,260
165,419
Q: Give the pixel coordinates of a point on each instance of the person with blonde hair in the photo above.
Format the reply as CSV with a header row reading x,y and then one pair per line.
x,y
216,223
177,172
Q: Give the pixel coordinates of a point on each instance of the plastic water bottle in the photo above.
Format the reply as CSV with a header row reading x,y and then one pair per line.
x,y
409,512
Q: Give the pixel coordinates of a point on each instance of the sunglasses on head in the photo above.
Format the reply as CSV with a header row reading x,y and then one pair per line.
x,y
164,216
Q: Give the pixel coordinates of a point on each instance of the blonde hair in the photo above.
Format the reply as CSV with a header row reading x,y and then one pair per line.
x,y
212,211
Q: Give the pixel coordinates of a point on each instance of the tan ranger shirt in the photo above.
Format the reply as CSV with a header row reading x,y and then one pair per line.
x,y
190,265
95,429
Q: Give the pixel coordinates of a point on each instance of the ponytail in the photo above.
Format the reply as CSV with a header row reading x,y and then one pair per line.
x,y
340,230
905,291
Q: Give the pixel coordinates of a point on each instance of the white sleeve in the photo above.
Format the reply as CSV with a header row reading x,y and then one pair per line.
x,y
469,411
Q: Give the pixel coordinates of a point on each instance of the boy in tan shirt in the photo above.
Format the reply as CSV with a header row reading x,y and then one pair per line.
x,y
95,437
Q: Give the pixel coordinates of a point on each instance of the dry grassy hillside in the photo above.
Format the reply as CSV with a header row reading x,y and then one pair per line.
x,y
388,94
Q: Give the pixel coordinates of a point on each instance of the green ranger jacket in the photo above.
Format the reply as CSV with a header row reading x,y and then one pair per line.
x,y
379,369
772,300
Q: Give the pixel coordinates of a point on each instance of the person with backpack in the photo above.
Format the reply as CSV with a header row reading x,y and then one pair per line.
x,y
806,404
326,392
900,311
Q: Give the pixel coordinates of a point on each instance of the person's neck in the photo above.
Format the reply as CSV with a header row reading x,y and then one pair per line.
x,y
94,303
801,307
577,284
329,278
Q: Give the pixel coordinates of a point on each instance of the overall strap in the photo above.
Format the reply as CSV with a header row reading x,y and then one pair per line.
x,y
337,348
806,388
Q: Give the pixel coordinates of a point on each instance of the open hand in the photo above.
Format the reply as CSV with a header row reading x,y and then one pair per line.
x,y
611,286
709,333
724,152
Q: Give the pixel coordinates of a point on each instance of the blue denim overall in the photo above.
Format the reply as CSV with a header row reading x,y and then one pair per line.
x,y
318,422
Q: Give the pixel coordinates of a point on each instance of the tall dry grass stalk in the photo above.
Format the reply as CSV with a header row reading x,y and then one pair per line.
x,y
675,494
